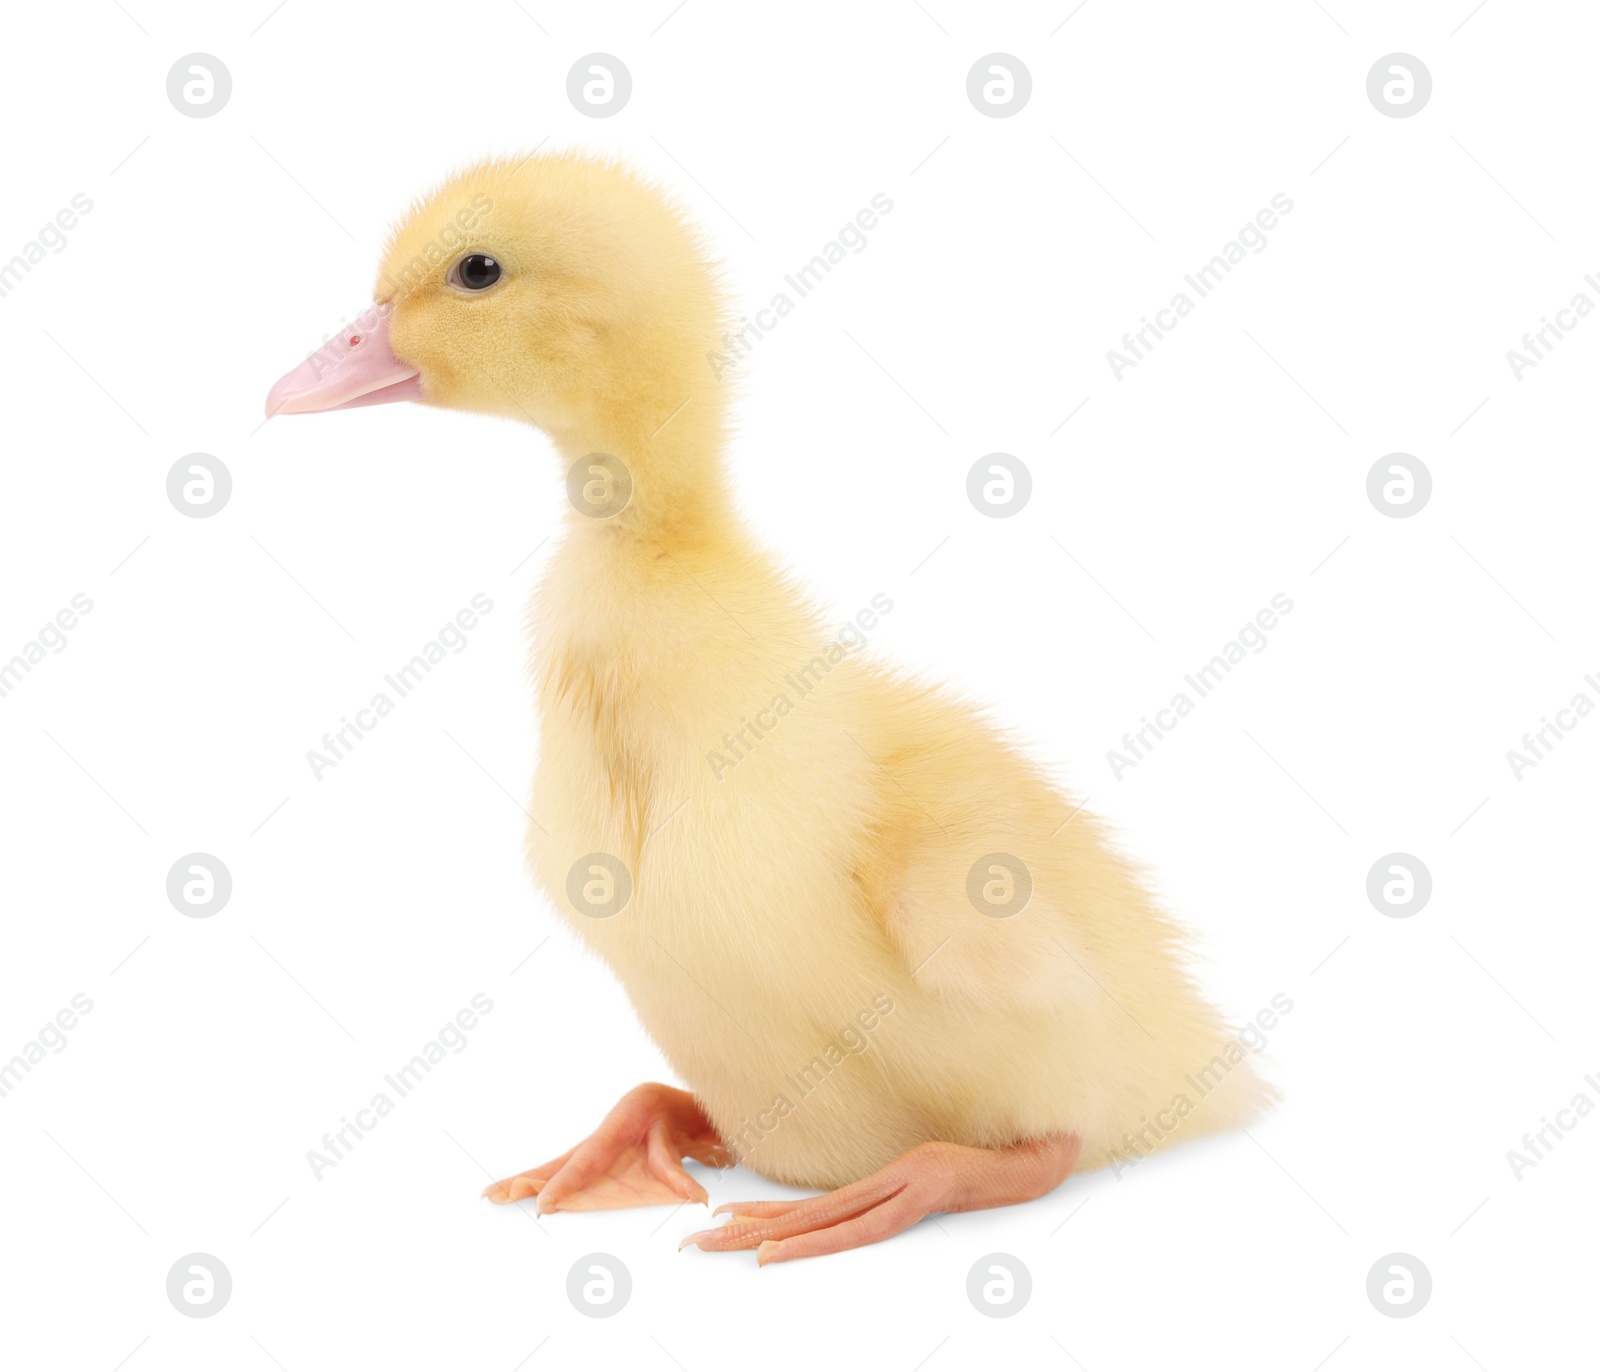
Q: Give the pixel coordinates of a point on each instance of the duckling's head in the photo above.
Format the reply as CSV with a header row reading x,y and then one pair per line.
x,y
560,290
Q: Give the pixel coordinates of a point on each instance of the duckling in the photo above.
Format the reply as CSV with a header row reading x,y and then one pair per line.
x,y
890,959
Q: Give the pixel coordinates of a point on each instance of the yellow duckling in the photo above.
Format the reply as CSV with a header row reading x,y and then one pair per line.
x,y
885,953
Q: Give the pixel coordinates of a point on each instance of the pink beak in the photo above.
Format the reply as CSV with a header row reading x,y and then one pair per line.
x,y
356,368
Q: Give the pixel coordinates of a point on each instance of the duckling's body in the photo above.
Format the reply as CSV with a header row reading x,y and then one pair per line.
x,y
786,899
811,874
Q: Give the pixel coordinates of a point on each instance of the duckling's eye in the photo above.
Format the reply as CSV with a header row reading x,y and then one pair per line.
x,y
475,272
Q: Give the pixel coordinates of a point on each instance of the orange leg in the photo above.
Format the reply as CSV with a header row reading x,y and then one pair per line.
x,y
932,1178
635,1157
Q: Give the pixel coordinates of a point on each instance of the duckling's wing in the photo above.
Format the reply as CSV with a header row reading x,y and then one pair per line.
x,y
981,920
992,885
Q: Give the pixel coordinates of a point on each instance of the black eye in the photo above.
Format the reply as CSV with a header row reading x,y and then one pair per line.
x,y
477,271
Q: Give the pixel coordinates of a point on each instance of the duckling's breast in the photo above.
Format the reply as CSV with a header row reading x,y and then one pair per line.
x,y
717,883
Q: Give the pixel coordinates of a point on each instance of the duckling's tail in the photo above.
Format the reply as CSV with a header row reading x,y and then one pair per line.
x,y
1222,1094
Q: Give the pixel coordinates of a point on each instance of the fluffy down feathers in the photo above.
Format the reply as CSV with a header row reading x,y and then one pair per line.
x,y
800,938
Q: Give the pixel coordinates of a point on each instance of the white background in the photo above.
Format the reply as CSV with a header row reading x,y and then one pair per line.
x,y
369,906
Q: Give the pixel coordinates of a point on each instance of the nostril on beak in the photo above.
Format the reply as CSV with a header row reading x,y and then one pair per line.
x,y
351,368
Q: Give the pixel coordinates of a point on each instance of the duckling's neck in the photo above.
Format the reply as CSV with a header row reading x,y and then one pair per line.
x,y
655,479
630,603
